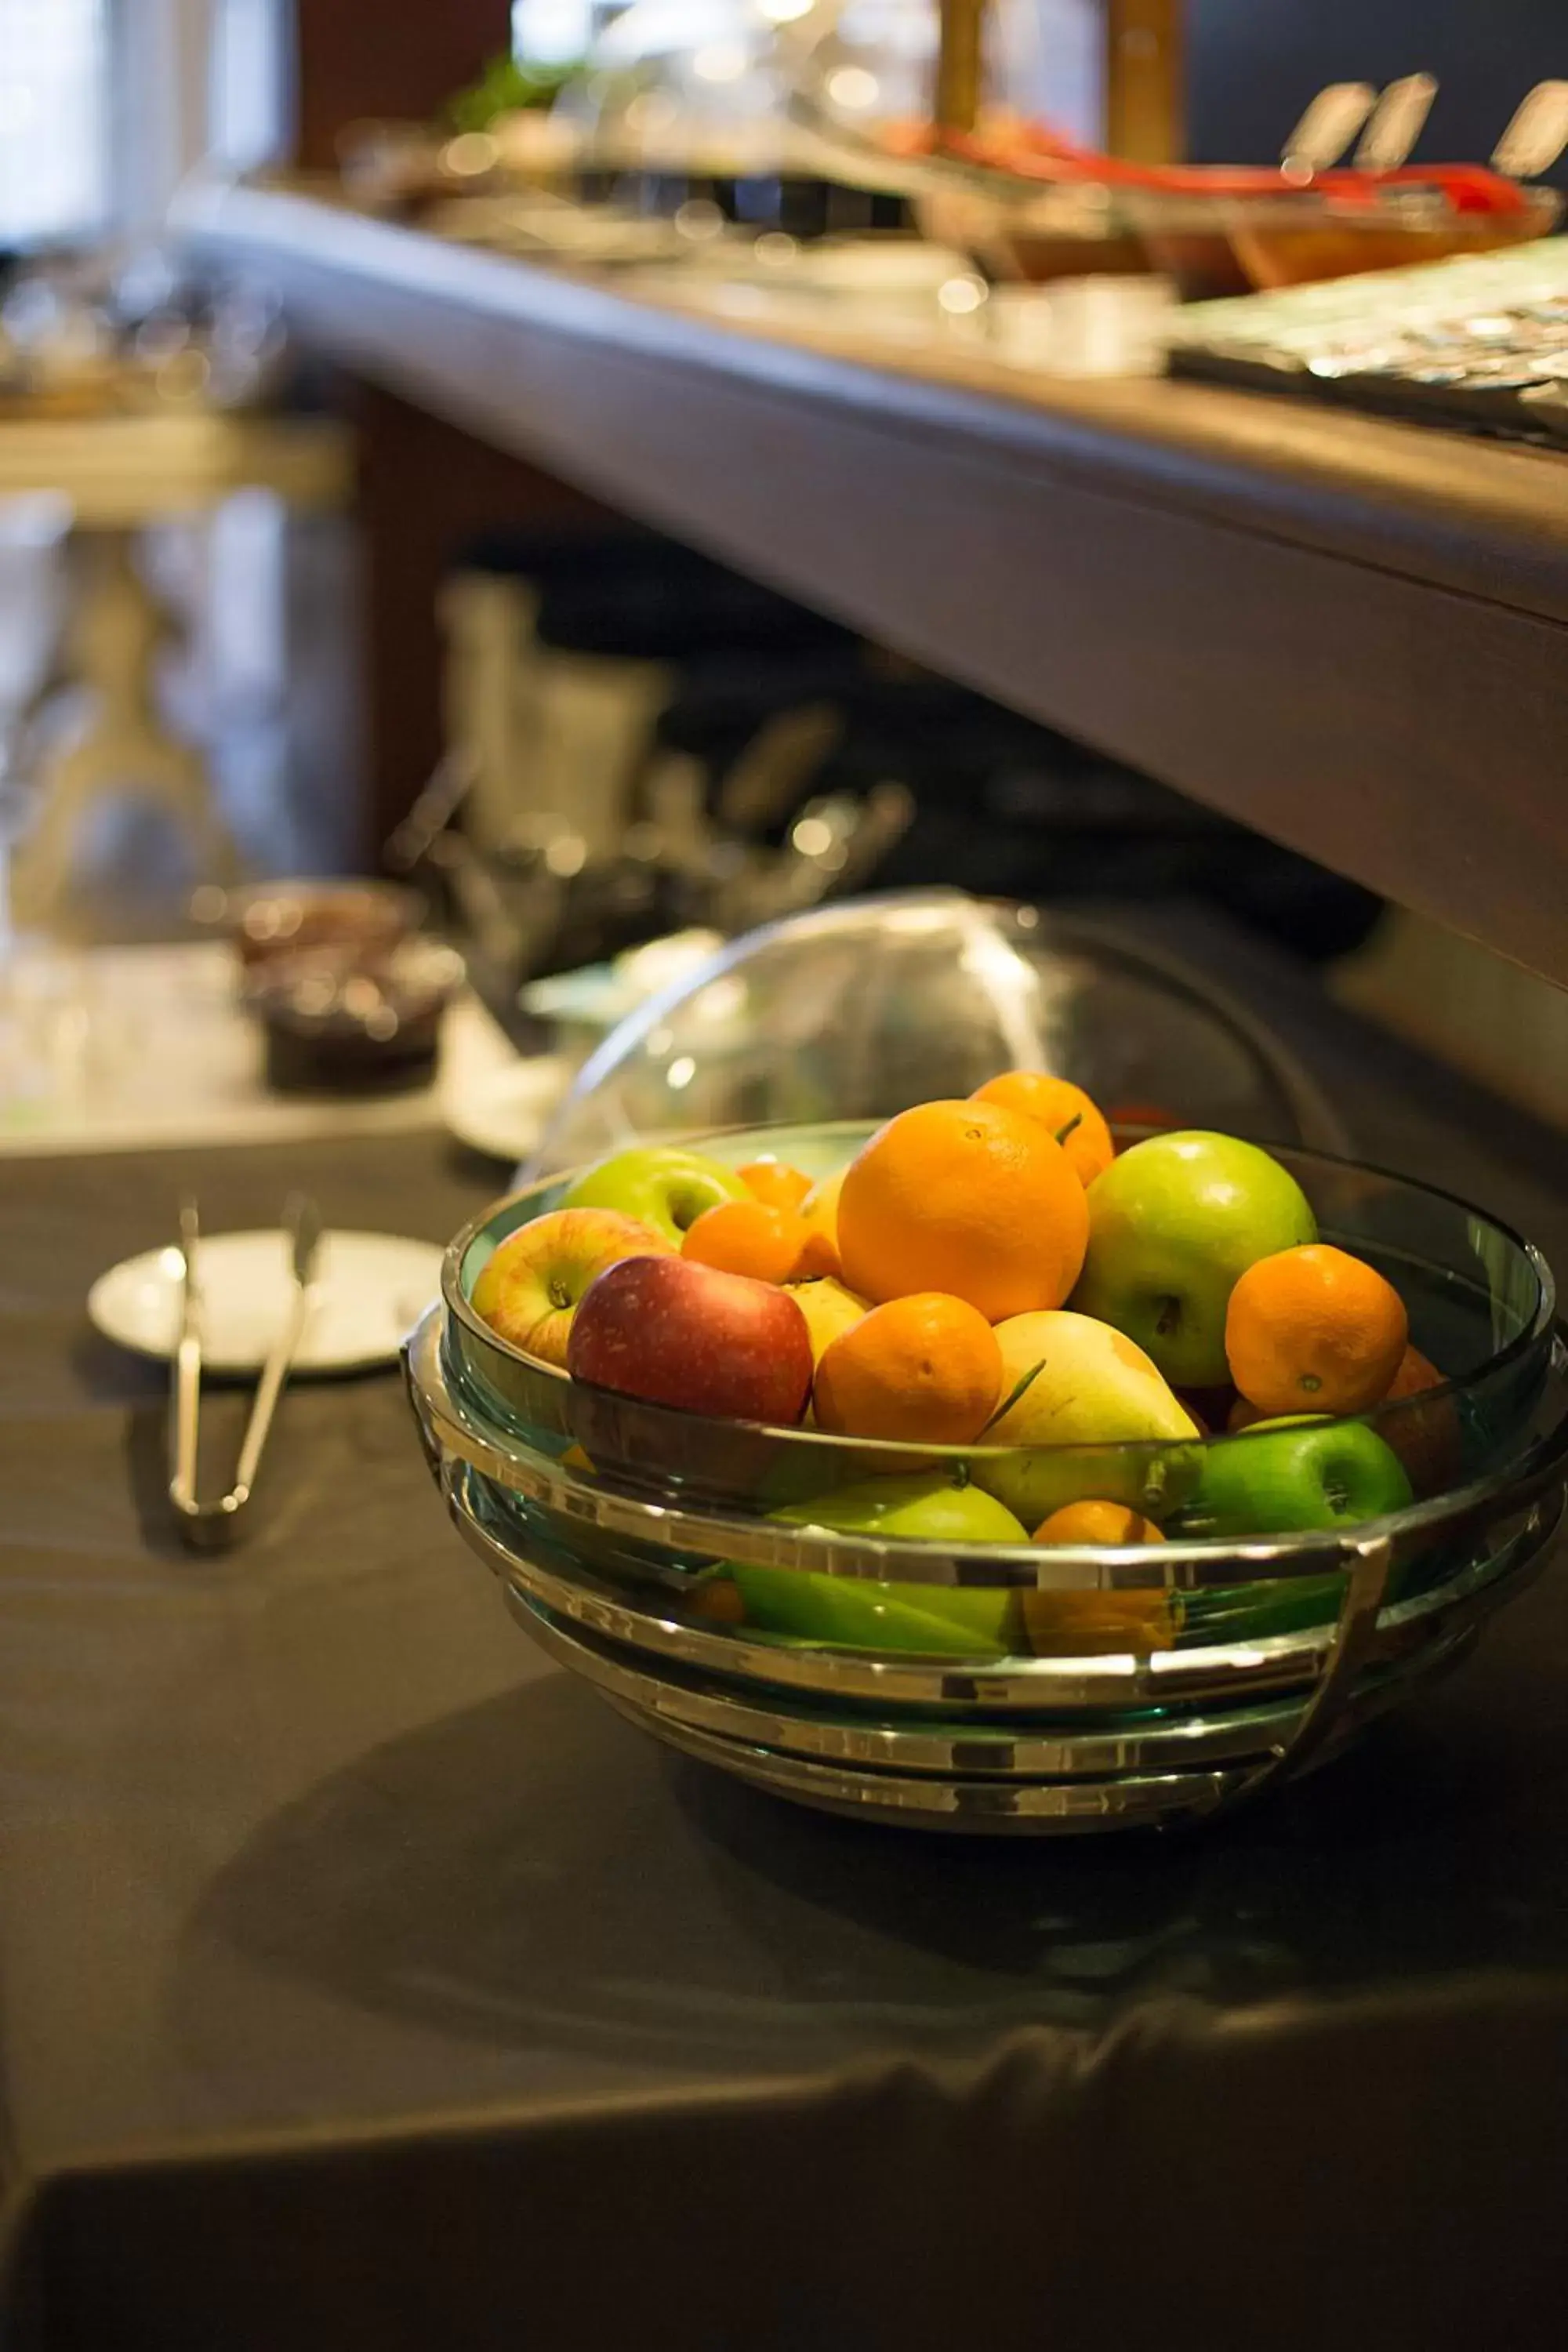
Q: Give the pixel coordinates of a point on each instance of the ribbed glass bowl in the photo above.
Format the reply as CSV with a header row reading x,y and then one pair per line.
x,y
996,1687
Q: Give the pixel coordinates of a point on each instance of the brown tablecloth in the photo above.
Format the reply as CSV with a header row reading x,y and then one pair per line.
x,y
365,1981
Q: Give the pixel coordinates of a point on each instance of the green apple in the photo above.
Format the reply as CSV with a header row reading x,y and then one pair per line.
x,y
932,1619
1282,1477
1076,1384
1173,1223
668,1189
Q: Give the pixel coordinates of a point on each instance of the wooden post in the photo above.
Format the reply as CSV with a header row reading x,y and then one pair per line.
x,y
1145,92
960,64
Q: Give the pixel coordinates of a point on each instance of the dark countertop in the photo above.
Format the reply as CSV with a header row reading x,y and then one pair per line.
x,y
364,1981
1350,633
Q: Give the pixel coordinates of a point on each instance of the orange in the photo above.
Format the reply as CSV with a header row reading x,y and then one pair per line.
x,y
926,1367
1314,1330
1415,1372
1427,1437
966,1198
1058,1104
744,1237
775,1184
1096,1523
1093,1624
820,1210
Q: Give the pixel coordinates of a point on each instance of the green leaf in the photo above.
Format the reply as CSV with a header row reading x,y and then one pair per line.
x,y
1020,1388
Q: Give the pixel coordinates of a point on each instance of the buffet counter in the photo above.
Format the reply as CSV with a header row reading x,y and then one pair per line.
x,y
373,1985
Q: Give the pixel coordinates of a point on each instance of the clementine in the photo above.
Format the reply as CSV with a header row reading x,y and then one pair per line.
x,y
745,1237
966,1198
1314,1330
926,1367
820,1210
1073,1118
776,1185
1091,1522
1427,1438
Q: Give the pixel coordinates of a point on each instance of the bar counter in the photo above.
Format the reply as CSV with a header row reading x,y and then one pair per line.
x,y
1350,633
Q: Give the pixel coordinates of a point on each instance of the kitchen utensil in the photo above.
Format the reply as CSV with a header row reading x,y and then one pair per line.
x,y
201,1522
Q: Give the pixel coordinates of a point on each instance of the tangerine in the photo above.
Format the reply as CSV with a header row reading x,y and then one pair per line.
x,y
775,1184
969,1199
745,1237
820,1210
1095,1522
927,1367
1092,1624
1074,1119
1427,1438
1314,1329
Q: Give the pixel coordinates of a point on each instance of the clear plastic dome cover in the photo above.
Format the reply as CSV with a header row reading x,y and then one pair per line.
x,y
856,1011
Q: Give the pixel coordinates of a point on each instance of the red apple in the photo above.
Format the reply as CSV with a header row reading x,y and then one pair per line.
x,y
677,1332
529,1290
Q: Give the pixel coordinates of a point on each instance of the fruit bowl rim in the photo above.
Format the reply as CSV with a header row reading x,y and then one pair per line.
x,y
870,1449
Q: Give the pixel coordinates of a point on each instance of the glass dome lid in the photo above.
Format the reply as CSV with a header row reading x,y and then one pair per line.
x,y
859,1010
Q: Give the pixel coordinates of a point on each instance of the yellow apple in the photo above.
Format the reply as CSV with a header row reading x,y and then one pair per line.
x,y
1090,1387
829,1310
529,1291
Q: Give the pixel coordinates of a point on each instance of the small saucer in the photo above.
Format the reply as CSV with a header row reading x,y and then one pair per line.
x,y
371,1289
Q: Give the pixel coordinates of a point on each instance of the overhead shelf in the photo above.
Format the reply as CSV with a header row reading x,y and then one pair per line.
x,y
1349,632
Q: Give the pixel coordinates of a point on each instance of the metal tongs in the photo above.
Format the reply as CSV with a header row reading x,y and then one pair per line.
x,y
204,1523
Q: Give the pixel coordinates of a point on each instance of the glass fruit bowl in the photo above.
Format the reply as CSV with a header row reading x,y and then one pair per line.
x,y
928,1675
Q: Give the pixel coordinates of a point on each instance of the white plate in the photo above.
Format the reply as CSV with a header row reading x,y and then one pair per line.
x,y
371,1289
504,1112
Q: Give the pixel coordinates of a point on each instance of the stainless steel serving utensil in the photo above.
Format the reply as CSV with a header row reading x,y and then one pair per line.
x,y
202,1523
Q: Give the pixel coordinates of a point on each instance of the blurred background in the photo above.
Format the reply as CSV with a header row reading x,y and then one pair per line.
x,y
261,621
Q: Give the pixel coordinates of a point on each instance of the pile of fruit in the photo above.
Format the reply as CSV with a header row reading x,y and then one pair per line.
x,y
993,1273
